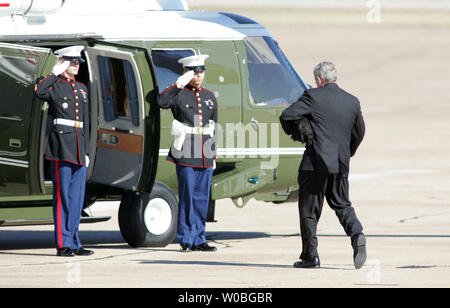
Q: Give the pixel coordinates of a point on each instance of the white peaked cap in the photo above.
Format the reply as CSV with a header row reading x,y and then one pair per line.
x,y
193,61
71,51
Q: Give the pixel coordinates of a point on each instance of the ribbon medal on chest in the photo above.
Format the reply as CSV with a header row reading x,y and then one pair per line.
x,y
209,103
84,95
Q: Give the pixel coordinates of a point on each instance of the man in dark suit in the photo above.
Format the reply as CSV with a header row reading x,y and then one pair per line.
x,y
339,128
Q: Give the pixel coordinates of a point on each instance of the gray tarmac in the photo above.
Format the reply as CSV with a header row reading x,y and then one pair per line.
x,y
257,246
399,186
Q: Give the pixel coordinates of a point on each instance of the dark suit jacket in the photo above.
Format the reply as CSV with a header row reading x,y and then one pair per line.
x,y
338,125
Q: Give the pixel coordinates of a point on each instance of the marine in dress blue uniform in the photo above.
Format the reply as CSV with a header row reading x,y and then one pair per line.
x,y
67,147
195,112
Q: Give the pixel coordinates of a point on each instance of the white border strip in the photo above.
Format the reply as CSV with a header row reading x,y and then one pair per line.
x,y
250,151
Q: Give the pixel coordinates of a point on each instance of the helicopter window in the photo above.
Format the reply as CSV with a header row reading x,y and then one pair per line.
x,y
272,79
119,90
166,64
17,73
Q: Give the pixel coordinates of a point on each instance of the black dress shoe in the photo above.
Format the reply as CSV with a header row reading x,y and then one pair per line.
x,y
359,250
65,252
204,247
308,263
186,248
83,252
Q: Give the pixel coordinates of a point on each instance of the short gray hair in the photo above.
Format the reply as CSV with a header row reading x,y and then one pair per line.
x,y
326,71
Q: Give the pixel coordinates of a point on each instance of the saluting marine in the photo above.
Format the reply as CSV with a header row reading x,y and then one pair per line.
x,y
194,149
67,147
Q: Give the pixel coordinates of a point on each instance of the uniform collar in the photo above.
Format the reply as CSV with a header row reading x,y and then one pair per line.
x,y
194,89
67,79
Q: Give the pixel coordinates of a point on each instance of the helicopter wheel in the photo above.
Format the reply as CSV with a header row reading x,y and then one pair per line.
x,y
149,220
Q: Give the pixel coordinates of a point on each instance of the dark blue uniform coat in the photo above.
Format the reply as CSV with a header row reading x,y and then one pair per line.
x,y
193,107
68,99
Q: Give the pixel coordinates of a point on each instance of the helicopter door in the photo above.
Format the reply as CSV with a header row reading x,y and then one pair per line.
x,y
122,79
20,119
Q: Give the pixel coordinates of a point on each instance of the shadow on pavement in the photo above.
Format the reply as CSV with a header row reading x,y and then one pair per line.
x,y
28,239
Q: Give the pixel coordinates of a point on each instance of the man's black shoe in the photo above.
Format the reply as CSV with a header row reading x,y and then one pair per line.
x,y
311,263
65,252
83,252
204,247
359,251
186,248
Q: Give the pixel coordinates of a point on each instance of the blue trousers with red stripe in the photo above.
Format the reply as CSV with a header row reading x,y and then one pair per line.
x,y
69,183
193,192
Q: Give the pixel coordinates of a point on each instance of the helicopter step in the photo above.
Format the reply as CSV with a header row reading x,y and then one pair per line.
x,y
31,222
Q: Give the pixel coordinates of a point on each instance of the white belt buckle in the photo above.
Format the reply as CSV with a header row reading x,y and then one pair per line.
x,y
196,130
68,122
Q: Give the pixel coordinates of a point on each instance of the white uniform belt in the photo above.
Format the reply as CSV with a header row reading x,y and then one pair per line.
x,y
179,131
68,123
208,130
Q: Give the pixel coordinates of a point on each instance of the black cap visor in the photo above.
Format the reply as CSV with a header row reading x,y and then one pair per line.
x,y
74,59
200,68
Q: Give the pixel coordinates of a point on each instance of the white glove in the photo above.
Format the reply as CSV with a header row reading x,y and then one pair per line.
x,y
87,161
179,132
184,79
60,68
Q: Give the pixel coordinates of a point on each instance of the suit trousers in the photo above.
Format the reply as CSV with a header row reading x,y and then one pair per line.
x,y
314,186
194,186
69,184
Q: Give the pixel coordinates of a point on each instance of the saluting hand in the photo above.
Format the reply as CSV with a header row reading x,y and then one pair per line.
x,y
184,79
60,67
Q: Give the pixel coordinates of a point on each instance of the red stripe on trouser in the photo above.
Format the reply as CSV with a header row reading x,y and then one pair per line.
x,y
58,208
